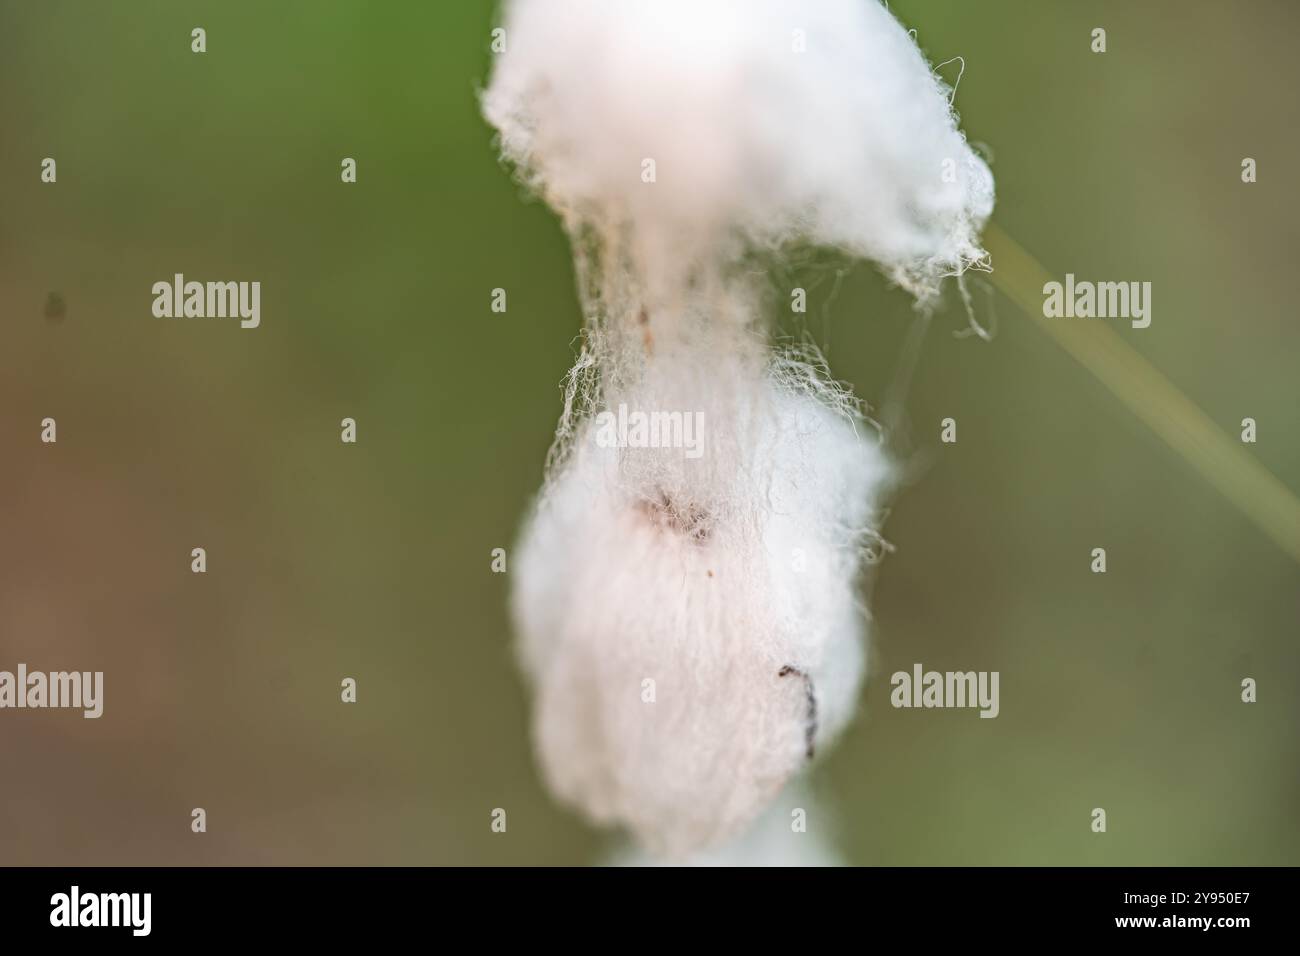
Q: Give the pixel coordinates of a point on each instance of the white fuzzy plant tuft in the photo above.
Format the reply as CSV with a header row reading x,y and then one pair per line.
x,y
678,140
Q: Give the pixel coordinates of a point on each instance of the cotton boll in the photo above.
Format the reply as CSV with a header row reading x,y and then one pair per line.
x,y
846,143
728,580
680,141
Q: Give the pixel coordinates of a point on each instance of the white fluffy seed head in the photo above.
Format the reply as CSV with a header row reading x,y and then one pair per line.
x,y
767,121
723,585
727,580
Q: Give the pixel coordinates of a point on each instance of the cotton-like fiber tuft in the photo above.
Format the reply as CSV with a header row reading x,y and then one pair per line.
x,y
687,597
727,581
766,120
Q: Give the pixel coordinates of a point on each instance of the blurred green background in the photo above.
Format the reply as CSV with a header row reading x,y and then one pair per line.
x,y
372,561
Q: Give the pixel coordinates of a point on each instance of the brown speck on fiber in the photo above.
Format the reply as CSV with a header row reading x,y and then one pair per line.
x,y
810,727
687,519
